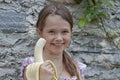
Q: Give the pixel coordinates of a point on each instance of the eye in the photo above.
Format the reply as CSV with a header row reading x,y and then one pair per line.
x,y
66,31
51,32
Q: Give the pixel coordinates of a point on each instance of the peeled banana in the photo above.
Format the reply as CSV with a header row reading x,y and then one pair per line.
x,y
32,70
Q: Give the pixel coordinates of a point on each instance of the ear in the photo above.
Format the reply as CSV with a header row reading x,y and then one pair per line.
x,y
39,33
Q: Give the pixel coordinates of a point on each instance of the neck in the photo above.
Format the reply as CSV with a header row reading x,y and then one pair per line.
x,y
57,59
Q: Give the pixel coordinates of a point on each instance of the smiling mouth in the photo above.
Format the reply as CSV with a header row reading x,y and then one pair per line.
x,y
57,44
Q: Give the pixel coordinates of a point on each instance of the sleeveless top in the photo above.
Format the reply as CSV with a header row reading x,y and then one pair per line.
x,y
29,60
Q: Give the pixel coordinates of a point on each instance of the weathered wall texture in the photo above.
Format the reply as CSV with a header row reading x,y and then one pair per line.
x,y
18,37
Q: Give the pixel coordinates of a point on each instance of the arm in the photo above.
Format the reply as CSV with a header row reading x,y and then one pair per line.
x,y
82,68
25,63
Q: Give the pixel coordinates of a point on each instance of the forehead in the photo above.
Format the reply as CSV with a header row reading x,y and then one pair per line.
x,y
56,21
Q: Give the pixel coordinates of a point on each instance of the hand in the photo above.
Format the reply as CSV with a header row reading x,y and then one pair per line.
x,y
46,71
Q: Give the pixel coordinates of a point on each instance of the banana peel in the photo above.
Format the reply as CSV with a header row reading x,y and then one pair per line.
x,y
33,70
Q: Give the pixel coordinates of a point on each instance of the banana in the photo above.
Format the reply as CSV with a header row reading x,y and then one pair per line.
x,y
32,70
39,50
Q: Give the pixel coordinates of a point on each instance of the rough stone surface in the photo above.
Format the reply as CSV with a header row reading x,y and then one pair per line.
x,y
10,21
90,46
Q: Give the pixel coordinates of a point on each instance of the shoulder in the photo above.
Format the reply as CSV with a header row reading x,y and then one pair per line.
x,y
25,63
81,67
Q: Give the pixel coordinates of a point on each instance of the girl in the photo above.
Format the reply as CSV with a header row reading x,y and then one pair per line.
x,y
55,25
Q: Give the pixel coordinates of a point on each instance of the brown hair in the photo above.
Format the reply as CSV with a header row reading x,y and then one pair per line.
x,y
61,10
57,9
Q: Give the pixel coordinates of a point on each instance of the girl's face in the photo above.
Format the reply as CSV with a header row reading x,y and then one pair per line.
x,y
57,33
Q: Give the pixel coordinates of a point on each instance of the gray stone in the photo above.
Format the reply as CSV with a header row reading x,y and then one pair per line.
x,y
11,21
4,71
1,0
2,64
8,1
10,16
13,27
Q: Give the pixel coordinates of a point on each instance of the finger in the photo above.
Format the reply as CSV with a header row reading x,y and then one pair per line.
x,y
47,64
47,67
53,67
50,68
50,65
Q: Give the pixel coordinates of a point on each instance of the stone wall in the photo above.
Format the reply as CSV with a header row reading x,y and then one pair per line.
x,y
90,46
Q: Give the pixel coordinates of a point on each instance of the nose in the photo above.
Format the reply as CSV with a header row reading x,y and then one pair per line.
x,y
59,37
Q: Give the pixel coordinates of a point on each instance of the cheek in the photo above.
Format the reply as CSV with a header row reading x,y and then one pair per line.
x,y
68,40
